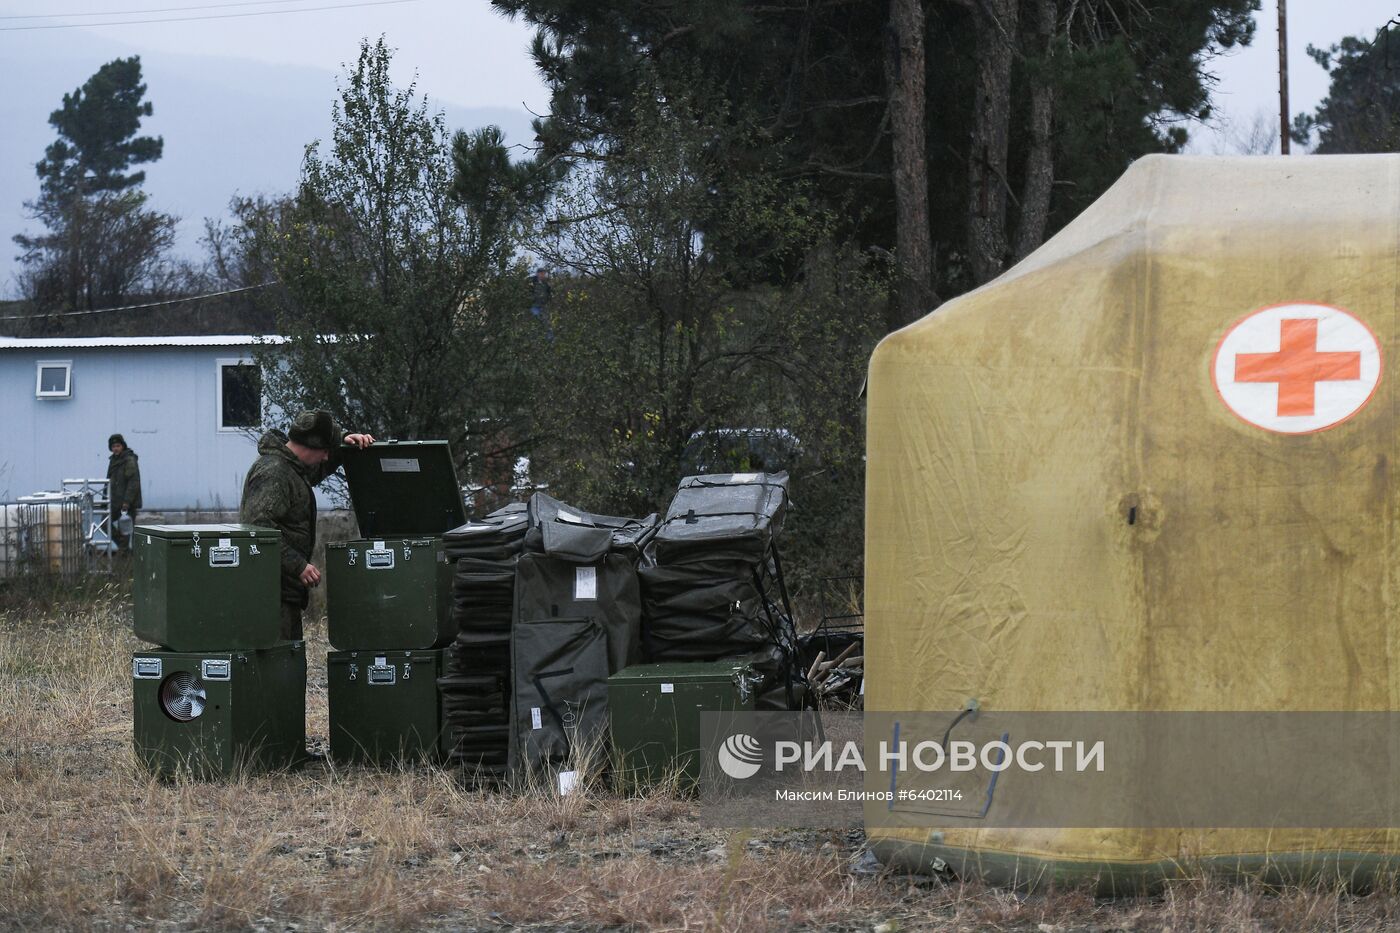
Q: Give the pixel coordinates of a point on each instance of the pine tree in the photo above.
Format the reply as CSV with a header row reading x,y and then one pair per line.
x,y
102,243
1361,112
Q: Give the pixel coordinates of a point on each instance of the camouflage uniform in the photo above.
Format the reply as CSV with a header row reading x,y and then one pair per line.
x,y
277,494
123,487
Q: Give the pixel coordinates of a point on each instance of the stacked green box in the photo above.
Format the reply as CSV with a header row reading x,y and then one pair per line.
x,y
656,715
394,591
384,706
214,714
389,604
223,694
206,587
393,585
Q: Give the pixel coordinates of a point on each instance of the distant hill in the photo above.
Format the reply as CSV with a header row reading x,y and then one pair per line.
x,y
230,126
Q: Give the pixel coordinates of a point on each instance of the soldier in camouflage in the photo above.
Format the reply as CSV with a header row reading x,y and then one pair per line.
x,y
277,494
123,488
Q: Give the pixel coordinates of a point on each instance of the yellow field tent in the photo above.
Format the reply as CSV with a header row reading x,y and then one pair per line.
x,y
1149,468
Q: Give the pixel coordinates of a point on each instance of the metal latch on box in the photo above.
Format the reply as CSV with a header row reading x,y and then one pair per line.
x,y
215,669
381,673
379,557
146,668
225,555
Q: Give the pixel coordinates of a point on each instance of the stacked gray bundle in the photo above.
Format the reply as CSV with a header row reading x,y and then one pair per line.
x,y
475,686
713,589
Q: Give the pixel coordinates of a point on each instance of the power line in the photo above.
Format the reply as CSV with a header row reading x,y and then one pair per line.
x,y
140,307
168,9
193,19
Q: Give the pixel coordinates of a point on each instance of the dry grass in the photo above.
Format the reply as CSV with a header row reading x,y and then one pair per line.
x,y
87,840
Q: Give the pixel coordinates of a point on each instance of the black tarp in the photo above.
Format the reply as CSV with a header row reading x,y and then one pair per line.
x,y
576,580
561,692
629,535
733,516
605,591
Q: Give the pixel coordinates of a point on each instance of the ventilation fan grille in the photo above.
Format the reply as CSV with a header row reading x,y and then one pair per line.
x,y
182,696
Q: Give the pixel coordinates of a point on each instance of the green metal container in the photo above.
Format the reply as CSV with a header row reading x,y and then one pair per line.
x,y
393,586
655,710
396,591
384,706
214,714
206,587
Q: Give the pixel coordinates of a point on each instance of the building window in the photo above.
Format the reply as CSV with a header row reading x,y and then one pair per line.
x,y
240,395
54,379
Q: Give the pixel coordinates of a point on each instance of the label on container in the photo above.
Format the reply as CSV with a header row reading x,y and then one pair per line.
x,y
668,688
399,465
585,583
535,721
568,781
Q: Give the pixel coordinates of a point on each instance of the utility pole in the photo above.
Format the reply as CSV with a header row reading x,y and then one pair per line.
x,y
1283,76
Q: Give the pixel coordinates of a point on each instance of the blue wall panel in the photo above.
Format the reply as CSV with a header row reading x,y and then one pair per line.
x,y
163,399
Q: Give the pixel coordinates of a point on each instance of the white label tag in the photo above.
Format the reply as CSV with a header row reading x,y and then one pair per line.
x,y
668,688
743,477
379,545
585,583
225,542
381,662
568,517
403,465
568,780
535,721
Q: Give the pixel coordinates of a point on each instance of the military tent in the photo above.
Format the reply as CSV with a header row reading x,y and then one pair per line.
x,y
1148,468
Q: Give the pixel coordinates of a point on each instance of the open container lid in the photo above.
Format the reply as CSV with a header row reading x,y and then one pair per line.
x,y
404,488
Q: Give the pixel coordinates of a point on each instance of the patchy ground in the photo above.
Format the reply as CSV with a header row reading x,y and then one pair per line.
x,y
88,841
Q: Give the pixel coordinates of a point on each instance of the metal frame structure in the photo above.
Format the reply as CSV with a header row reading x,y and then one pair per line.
x,y
62,533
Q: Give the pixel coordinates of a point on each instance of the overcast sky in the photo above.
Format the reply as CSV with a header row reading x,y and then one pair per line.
x,y
463,51
468,55
269,69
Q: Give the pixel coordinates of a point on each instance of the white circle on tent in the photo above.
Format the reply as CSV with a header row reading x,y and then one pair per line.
x,y
1297,368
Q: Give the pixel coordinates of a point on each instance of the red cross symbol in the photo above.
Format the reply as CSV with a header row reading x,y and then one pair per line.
x,y
1297,367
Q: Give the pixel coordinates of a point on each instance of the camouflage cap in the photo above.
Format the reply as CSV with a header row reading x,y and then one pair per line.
x,y
315,429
